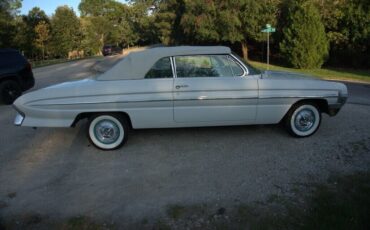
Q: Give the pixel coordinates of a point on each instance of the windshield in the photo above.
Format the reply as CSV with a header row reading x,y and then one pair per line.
x,y
252,70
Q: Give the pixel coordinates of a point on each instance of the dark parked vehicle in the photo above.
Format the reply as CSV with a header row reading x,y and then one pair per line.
x,y
15,75
111,49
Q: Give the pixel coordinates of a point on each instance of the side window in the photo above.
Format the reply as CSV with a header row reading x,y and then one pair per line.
x,y
235,68
9,59
161,69
207,66
195,66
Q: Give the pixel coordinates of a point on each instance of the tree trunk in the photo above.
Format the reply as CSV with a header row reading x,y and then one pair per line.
x,y
43,53
244,50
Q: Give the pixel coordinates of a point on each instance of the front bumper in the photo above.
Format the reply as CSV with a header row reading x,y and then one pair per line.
x,y
335,108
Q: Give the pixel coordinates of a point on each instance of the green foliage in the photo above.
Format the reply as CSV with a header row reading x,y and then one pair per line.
x,y
354,26
214,21
304,44
66,35
199,21
97,15
141,24
8,11
255,14
167,18
111,22
30,21
229,23
42,32
305,28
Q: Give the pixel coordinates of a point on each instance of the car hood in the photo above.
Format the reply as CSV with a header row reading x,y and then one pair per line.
x,y
280,80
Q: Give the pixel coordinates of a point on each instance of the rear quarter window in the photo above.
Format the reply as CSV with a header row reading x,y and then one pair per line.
x,y
161,69
11,58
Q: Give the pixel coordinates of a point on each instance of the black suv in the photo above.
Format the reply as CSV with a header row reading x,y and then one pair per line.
x,y
15,75
111,49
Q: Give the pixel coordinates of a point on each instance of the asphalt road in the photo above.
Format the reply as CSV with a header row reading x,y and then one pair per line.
x,y
56,173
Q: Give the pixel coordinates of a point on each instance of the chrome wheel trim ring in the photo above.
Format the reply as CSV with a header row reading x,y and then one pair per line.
x,y
305,120
106,132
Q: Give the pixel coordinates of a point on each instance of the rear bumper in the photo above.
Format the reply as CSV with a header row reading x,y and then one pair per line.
x,y
18,119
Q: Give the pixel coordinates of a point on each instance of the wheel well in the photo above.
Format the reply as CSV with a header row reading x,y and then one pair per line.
x,y
11,78
82,116
321,103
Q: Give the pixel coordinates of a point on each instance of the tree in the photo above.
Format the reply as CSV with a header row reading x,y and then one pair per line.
x,y
199,21
168,15
141,22
304,43
230,21
347,23
8,13
253,16
101,16
66,35
31,20
42,36
355,25
90,42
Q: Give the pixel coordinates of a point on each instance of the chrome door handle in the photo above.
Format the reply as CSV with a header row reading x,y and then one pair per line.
x,y
181,86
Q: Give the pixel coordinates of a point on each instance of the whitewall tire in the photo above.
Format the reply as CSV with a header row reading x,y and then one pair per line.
x,y
303,119
107,131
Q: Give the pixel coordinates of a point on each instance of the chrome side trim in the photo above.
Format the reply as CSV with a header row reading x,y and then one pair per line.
x,y
271,97
198,99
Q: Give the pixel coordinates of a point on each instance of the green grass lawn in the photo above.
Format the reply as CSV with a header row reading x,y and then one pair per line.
x,y
325,73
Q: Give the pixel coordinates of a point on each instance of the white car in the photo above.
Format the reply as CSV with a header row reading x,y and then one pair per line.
x,y
185,86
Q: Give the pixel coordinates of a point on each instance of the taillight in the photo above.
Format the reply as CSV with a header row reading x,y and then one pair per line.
x,y
28,67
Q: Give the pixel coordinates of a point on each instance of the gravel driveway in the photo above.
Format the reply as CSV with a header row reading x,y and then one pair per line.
x,y
57,173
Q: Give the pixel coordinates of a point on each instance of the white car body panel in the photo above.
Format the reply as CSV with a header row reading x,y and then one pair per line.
x,y
216,99
177,102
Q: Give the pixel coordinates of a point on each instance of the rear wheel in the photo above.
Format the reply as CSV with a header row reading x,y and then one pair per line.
x,y
303,119
108,131
9,91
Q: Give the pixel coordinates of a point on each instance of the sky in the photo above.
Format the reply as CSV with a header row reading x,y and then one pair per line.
x,y
49,6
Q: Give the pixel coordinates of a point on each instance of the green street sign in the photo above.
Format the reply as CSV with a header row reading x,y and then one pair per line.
x,y
269,30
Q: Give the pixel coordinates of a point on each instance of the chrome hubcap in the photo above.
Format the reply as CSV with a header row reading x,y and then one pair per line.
x,y
106,131
304,120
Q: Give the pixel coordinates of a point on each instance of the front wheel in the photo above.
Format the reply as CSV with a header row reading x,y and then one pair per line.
x,y
108,131
303,120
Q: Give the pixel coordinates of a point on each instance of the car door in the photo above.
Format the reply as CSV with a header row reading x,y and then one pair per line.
x,y
213,89
152,97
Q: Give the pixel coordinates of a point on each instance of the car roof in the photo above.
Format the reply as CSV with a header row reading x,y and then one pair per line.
x,y
137,64
8,50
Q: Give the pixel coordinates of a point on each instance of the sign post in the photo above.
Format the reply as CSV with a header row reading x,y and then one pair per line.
x,y
268,30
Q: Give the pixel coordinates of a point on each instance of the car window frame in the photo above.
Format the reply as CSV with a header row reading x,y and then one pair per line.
x,y
172,69
230,56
